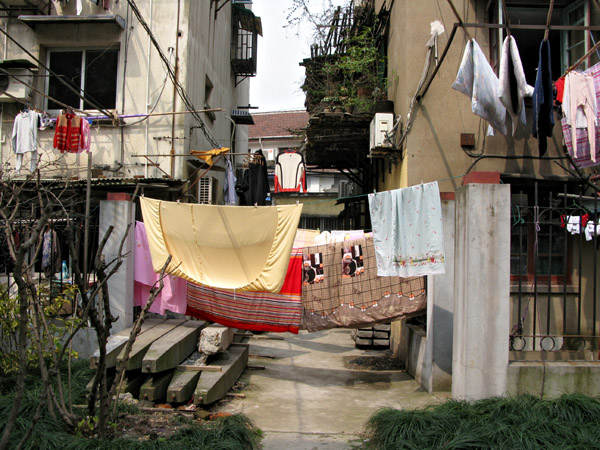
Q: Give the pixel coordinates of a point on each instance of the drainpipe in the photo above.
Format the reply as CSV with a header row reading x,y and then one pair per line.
x,y
5,51
175,92
146,151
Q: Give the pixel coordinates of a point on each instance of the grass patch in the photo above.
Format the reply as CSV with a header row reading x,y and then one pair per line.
x,y
524,422
228,433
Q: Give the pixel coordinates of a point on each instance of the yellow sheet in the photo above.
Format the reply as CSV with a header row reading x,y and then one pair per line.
x,y
232,247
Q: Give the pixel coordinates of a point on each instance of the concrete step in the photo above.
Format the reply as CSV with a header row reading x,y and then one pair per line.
x,y
155,387
116,343
168,351
213,386
145,340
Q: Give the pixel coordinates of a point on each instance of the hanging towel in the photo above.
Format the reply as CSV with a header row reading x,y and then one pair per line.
x,y
290,172
543,112
257,311
172,297
513,85
341,288
407,231
477,80
229,247
584,154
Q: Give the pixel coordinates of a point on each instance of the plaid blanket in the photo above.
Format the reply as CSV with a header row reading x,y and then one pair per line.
x,y
341,288
251,310
584,158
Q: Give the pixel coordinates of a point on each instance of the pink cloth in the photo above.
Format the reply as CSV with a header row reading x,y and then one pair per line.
x,y
84,143
174,292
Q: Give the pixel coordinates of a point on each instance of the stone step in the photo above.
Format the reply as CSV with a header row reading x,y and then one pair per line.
x,y
168,351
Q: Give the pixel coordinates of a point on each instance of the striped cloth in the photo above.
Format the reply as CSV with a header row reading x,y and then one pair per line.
x,y
584,158
246,310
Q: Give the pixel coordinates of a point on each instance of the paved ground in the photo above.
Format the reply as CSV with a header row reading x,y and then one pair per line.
x,y
307,398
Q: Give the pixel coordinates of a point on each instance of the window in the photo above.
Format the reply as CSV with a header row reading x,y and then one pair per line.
x,y
93,73
539,227
566,46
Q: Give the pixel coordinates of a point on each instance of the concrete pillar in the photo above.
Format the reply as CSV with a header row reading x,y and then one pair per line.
x,y
440,307
481,291
119,213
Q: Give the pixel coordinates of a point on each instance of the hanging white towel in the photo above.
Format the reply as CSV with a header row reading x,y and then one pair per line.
x,y
477,80
407,231
513,89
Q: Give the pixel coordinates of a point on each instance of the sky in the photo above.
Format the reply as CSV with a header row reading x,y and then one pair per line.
x,y
276,86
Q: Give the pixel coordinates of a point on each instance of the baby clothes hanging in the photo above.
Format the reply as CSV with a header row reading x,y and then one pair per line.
x,y
67,136
477,80
24,137
513,85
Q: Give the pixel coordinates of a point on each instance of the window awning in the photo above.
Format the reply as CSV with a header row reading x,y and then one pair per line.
x,y
247,20
242,117
32,21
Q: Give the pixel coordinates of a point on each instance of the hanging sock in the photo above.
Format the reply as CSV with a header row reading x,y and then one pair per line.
x,y
543,113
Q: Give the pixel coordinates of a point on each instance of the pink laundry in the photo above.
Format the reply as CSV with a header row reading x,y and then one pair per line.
x,y
173,295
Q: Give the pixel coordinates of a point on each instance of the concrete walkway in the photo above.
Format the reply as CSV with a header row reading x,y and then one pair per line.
x,y
308,398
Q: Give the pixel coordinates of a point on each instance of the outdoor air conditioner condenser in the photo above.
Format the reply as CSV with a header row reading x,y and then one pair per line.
x,y
381,124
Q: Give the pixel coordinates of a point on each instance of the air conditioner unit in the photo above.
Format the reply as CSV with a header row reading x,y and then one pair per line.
x,y
18,84
381,125
207,190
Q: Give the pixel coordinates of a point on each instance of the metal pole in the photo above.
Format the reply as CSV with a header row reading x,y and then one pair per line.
x,y
175,91
86,231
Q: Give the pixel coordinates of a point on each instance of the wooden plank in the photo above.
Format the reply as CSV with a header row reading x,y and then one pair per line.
x,y
213,386
116,343
155,387
199,368
182,386
144,341
172,348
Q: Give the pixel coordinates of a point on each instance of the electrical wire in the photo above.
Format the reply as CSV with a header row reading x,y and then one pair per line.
x,y
180,89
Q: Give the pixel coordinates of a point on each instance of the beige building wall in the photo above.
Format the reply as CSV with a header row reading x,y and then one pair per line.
x,y
203,47
432,149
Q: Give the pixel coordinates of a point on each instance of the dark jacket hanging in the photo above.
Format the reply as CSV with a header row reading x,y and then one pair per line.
x,y
543,113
